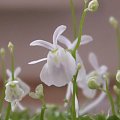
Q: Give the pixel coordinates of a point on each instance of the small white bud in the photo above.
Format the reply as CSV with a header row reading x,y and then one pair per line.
x,y
2,52
11,47
118,76
116,90
38,94
113,22
93,6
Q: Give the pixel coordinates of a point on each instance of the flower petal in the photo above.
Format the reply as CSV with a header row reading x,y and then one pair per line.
x,y
59,30
86,39
20,106
76,106
14,105
82,72
64,41
103,69
45,77
43,44
37,61
93,61
94,103
68,93
17,71
89,93
9,73
23,86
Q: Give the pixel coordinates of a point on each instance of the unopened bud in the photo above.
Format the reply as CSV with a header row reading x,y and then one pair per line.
x,y
113,22
118,76
92,84
93,6
116,90
2,52
38,94
11,47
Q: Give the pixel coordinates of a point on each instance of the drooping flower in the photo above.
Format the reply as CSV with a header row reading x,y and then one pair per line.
x,y
20,86
13,93
60,66
100,71
82,72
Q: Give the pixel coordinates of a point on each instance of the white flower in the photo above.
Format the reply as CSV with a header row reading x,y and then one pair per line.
x,y
13,93
60,66
22,85
100,70
82,72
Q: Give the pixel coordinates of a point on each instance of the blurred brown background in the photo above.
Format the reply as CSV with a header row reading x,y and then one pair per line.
x,y
22,21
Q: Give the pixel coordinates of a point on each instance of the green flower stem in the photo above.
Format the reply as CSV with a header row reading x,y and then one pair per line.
x,y
4,81
73,18
12,65
8,112
42,112
42,109
74,94
118,43
80,31
73,100
110,97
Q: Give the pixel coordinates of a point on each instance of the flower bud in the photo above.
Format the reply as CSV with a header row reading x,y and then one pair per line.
x,y
113,22
2,52
116,90
11,47
92,80
38,94
92,84
118,76
93,5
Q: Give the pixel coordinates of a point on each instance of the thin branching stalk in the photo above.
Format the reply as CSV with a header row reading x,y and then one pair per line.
x,y
110,97
42,109
80,30
8,112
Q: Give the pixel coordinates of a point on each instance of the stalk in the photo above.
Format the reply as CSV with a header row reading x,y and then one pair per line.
x,y
72,7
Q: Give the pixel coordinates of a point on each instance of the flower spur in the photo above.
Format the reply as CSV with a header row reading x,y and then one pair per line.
x,y
60,66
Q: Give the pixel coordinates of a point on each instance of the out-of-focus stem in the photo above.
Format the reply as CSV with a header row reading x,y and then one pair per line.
x,y
118,44
80,31
74,21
